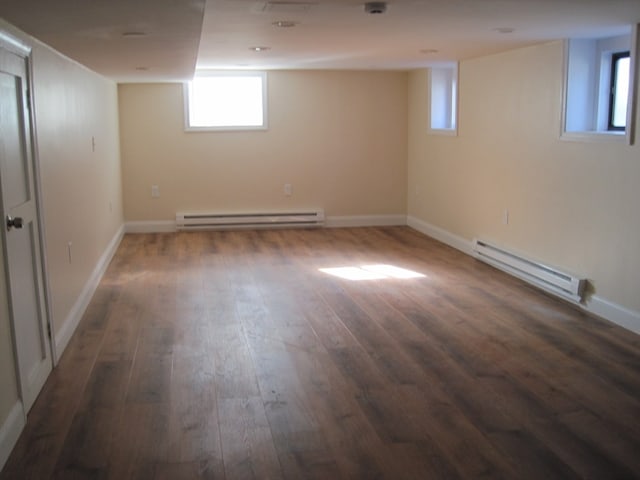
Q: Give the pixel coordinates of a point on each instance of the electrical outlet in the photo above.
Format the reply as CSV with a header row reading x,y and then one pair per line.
x,y
155,191
287,189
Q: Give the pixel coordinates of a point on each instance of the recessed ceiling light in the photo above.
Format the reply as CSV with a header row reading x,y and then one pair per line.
x,y
285,23
134,34
429,51
504,30
142,69
259,49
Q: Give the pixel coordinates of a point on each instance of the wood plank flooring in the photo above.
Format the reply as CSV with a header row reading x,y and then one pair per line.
x,y
230,355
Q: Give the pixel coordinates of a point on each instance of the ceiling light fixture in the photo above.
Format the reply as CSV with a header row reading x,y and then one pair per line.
x,y
429,51
259,49
285,23
142,69
504,30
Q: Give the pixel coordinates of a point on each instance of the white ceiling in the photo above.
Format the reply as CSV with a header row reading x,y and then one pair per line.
x,y
329,34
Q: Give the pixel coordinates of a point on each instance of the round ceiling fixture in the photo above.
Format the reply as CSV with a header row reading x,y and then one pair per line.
x,y
259,49
375,8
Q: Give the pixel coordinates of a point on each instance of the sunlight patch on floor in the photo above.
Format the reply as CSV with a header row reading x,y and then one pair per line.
x,y
371,272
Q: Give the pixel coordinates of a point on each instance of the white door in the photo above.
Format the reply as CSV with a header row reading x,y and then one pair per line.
x,y
20,229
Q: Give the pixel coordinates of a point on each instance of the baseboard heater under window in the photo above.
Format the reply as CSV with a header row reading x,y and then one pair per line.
x,y
566,285
230,221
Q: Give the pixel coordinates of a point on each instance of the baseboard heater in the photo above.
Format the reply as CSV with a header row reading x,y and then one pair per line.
x,y
230,221
551,279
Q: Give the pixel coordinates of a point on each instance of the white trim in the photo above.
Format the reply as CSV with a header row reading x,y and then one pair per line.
x,y
459,243
444,132
75,315
614,313
13,44
595,137
150,226
634,54
365,221
10,431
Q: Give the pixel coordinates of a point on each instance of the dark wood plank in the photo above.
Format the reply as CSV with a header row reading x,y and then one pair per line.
x,y
247,444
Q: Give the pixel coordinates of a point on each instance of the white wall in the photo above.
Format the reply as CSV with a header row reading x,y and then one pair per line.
x,y
81,185
570,204
339,138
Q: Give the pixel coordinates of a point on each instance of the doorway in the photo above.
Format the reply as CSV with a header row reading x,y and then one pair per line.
x,y
21,241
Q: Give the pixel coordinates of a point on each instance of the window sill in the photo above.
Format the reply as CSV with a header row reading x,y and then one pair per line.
x,y
595,137
224,129
446,132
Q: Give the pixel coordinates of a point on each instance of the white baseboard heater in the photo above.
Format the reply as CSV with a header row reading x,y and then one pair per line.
x,y
563,284
230,221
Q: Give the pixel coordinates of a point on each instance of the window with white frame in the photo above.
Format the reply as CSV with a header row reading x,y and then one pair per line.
x,y
598,87
443,93
223,100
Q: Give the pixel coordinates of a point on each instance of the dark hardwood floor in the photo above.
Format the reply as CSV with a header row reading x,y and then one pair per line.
x,y
231,355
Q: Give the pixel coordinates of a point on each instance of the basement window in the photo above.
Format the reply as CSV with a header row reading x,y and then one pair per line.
x,y
598,95
216,100
443,100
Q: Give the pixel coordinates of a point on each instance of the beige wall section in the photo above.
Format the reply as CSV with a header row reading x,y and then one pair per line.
x,y
75,110
339,138
571,204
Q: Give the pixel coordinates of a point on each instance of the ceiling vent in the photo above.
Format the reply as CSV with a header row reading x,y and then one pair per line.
x,y
285,7
375,8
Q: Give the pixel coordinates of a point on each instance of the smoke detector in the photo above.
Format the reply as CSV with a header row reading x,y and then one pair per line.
x,y
375,7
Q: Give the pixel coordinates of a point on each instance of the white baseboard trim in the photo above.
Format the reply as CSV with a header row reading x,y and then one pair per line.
x,y
75,314
365,221
601,307
150,226
10,431
459,243
614,313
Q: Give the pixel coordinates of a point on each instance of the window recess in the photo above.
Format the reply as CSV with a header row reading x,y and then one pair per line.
x,y
600,94
443,100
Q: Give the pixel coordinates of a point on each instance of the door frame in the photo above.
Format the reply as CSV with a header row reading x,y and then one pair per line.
x,y
14,45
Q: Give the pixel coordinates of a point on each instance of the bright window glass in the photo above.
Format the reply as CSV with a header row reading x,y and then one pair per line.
x,y
443,99
621,92
227,101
